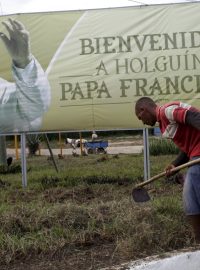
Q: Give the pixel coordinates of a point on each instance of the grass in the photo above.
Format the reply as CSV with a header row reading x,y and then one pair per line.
x,y
87,208
160,146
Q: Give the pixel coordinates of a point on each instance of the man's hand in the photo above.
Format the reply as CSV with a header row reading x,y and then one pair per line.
x,y
168,170
17,44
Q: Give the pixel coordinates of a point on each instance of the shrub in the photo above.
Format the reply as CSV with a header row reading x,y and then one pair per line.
x,y
33,142
162,147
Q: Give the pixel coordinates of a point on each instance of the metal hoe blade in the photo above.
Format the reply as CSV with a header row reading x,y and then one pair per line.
x,y
140,195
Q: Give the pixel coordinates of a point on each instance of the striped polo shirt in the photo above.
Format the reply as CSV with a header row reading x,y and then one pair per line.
x,y
171,119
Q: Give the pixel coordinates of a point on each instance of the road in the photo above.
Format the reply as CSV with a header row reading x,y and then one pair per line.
x,y
113,150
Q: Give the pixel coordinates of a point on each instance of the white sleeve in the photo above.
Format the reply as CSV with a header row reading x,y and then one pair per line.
x,y
32,90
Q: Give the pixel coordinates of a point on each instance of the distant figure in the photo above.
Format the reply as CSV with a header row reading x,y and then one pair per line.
x,y
94,135
76,144
72,142
9,161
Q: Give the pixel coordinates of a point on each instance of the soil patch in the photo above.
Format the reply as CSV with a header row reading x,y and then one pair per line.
x,y
92,258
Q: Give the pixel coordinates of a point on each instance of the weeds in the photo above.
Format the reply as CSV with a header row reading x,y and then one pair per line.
x,y
88,205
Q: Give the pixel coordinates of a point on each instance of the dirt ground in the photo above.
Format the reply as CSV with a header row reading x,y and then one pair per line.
x,y
91,258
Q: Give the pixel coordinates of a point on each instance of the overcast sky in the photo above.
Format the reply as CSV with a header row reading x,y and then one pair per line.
x,y
21,6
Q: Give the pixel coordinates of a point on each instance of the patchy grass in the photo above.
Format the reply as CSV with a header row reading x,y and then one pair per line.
x,y
84,216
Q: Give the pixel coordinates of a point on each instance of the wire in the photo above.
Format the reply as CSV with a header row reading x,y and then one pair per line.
x,y
142,3
138,2
1,8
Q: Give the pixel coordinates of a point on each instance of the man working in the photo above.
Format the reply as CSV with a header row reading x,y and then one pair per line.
x,y
23,103
181,123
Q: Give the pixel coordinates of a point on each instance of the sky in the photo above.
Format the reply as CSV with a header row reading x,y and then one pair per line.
x,y
26,6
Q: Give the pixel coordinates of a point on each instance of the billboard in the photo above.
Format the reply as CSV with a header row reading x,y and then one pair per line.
x,y
91,66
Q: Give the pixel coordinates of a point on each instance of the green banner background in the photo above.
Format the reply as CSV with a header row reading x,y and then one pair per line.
x,y
99,62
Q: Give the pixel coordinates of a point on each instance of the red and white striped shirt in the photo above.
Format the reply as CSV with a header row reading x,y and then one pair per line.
x,y
171,119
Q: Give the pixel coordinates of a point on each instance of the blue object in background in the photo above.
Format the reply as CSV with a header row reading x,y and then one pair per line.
x,y
157,131
96,144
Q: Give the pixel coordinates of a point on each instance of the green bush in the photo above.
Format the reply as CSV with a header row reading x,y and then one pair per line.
x,y
162,147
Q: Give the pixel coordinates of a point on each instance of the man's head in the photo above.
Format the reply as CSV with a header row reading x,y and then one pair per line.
x,y
145,110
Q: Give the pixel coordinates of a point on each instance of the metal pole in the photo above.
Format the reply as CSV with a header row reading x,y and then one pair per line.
x,y
81,144
60,143
16,148
23,160
146,154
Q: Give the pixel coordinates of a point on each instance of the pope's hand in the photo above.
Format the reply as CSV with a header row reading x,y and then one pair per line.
x,y
17,43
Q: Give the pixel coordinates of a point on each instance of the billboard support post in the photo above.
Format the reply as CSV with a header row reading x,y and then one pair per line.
x,y
60,144
23,160
50,151
16,147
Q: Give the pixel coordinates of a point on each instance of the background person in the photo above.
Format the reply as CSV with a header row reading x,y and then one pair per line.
x,y
181,123
76,143
23,103
94,135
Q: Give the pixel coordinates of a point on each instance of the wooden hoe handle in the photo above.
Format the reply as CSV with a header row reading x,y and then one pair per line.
x,y
190,163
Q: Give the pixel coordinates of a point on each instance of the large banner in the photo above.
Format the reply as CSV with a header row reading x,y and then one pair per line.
x,y
86,69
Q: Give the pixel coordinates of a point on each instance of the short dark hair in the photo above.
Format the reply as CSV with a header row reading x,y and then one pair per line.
x,y
144,101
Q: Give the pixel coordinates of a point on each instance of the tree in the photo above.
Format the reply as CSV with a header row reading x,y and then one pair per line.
x,y
3,154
